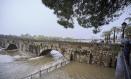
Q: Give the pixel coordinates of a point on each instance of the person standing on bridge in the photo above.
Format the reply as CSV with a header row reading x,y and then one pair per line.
x,y
127,46
123,59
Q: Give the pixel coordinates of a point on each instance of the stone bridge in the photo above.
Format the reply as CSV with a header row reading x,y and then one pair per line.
x,y
78,51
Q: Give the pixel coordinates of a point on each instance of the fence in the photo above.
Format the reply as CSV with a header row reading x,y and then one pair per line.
x,y
122,69
127,74
47,68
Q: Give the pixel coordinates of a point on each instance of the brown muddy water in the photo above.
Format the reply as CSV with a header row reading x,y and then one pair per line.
x,y
77,70
18,68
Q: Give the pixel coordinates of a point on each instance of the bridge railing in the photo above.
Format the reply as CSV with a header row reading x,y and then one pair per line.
x,y
127,73
47,68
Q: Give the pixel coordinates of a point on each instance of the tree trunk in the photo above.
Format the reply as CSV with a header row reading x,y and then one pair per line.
x,y
114,37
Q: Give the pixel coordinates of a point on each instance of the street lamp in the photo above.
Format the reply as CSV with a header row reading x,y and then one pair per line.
x,y
124,24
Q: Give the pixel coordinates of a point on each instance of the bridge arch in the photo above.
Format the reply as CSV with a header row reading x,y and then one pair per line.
x,y
12,46
53,53
45,52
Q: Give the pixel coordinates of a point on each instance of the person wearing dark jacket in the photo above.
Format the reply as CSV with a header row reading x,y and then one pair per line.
x,y
126,43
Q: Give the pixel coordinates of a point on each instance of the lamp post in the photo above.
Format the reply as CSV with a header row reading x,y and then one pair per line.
x,y
124,24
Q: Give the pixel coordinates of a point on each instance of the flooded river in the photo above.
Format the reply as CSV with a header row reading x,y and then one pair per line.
x,y
16,66
76,70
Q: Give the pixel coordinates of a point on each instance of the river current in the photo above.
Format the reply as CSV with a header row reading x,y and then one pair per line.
x,y
15,65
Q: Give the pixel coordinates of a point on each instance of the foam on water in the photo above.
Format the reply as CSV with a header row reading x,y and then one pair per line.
x,y
36,58
56,54
6,59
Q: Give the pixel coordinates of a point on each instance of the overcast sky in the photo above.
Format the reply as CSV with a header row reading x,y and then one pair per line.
x,y
31,16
